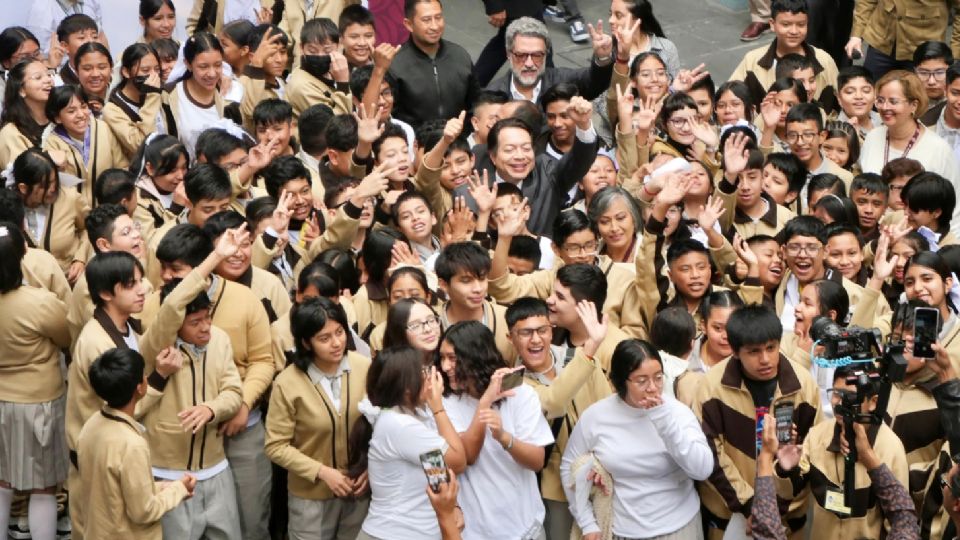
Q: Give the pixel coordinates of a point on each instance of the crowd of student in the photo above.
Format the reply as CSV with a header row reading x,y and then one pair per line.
x,y
254,284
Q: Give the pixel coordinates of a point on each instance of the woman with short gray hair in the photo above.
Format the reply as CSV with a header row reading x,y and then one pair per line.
x,y
615,216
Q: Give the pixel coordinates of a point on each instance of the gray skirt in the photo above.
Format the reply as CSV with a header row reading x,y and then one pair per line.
x,y
33,444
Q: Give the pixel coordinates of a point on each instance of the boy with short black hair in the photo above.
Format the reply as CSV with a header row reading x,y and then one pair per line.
x,y
323,75
238,311
788,19
311,134
869,192
197,397
554,102
115,458
272,121
340,136
743,389
510,200
484,114
754,211
844,253
262,79
116,186
358,34
360,80
462,270
565,386
930,201
805,134
524,255
72,32
802,68
784,179
932,59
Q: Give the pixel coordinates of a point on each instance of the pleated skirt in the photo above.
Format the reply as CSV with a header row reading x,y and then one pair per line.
x,y
33,444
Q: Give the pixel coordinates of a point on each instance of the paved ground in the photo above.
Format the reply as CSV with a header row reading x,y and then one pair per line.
x,y
703,32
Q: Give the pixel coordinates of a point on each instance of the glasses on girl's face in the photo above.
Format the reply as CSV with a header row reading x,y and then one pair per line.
x,y
678,122
643,382
421,326
32,55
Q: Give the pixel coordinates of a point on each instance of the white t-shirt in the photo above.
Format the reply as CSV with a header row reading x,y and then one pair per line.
x,y
500,499
399,507
194,119
236,10
45,15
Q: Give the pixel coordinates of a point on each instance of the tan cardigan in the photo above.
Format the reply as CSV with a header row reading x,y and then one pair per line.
x,y
123,499
12,143
131,128
41,270
304,90
305,431
64,233
105,153
33,329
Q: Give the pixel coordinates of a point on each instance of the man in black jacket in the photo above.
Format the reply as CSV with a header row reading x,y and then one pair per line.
x,y
527,44
543,180
434,77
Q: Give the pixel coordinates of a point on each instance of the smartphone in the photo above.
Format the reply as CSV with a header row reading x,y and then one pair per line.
x,y
783,412
926,322
435,469
511,380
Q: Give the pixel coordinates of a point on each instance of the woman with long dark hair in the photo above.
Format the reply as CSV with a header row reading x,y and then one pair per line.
x,y
648,35
54,214
94,72
504,436
160,165
158,19
313,409
390,438
23,119
194,104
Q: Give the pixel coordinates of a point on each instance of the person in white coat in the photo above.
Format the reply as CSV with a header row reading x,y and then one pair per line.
x,y
652,447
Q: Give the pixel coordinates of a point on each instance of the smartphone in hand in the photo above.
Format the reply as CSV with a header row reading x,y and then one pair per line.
x,y
925,329
511,380
783,413
435,468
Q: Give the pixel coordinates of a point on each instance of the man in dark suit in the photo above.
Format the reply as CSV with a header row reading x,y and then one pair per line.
x,y
528,43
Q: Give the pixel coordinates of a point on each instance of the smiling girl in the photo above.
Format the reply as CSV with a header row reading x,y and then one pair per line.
x,y
28,87
194,104
88,143
133,110
95,71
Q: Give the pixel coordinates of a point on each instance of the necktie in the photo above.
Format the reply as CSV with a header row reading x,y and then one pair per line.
x,y
334,385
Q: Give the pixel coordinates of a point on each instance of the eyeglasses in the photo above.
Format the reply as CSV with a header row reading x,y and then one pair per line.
x,y
527,333
420,326
648,74
233,166
680,121
938,74
537,56
126,231
17,58
945,484
576,249
893,102
806,136
810,249
642,382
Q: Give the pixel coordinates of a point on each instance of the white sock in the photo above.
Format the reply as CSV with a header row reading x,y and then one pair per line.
x,y
42,516
6,498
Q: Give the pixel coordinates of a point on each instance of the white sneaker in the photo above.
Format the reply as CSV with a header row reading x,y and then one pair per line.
x,y
578,31
555,14
20,530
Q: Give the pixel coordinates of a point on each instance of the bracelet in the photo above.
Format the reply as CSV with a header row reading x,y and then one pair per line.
x,y
647,191
624,62
438,412
510,444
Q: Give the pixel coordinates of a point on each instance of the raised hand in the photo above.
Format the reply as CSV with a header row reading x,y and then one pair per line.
x,y
883,263
674,189
710,213
384,54
770,110
269,46
231,241
743,251
493,392
368,124
454,127
646,115
581,112
264,15
400,254
735,154
602,42
686,78
374,183
435,387
596,328
625,103
261,155
624,34
705,133
169,362
509,224
482,192
770,442
339,67
280,219
56,52
459,224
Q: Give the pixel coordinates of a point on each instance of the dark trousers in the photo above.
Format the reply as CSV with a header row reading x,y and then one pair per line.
x,y
494,54
878,63
829,27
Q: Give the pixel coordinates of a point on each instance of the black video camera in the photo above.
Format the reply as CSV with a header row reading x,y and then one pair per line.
x,y
839,342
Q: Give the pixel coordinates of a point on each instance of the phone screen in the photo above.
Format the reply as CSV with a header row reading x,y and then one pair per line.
x,y
784,414
926,321
511,380
435,468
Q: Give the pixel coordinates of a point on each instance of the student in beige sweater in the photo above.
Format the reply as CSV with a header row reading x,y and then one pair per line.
x,y
313,410
33,330
114,456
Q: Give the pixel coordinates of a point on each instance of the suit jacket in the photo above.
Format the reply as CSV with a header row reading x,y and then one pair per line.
x,y
591,81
